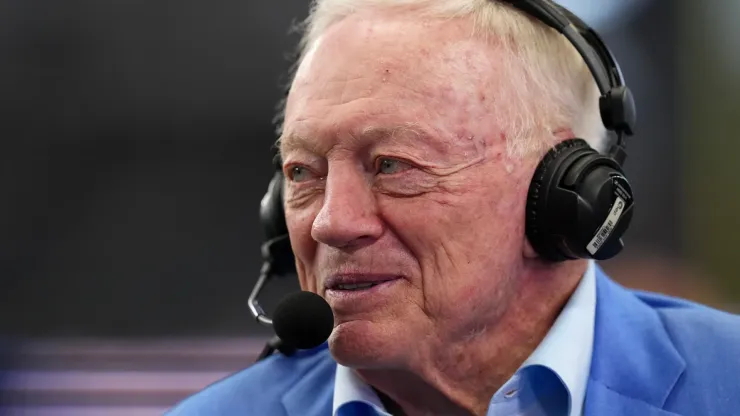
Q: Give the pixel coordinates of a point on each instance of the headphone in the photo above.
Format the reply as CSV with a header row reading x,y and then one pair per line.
x,y
579,203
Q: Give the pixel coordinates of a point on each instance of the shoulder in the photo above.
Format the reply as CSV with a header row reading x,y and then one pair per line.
x,y
708,340
694,327
260,389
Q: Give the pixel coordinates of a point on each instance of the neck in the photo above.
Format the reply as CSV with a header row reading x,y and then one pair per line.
x,y
460,377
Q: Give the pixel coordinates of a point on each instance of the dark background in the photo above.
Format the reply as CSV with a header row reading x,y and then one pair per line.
x,y
135,147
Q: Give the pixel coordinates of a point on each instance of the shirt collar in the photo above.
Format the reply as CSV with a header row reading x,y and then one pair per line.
x,y
567,348
349,388
565,351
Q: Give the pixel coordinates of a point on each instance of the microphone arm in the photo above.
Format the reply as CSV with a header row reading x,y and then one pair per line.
x,y
254,305
277,260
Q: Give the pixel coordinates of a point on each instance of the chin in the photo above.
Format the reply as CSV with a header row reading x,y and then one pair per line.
x,y
365,344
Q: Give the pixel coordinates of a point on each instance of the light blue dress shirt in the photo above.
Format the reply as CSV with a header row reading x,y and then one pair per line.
x,y
551,382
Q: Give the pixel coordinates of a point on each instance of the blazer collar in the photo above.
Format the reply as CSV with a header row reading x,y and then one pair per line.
x,y
312,382
635,365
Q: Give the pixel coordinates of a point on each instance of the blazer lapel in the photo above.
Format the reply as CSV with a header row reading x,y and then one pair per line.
x,y
313,392
635,365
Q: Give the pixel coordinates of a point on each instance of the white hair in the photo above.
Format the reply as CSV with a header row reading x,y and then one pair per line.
x,y
551,87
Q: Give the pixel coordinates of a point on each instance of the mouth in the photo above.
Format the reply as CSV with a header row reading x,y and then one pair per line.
x,y
356,286
356,283
351,294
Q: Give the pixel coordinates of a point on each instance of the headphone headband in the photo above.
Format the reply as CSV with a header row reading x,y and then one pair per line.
x,y
618,112
589,45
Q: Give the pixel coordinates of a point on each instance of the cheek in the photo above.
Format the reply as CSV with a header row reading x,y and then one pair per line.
x,y
299,224
465,242
467,229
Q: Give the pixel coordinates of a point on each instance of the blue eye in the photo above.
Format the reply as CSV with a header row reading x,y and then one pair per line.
x,y
299,173
390,166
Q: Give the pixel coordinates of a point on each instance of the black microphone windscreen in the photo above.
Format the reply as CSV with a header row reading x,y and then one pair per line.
x,y
303,320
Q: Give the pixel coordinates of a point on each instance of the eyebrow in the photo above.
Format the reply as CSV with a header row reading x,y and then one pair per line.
x,y
293,141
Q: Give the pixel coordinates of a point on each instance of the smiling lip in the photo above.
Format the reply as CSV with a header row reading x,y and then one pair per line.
x,y
356,281
346,298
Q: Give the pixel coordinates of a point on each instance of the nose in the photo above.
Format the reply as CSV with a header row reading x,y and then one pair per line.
x,y
348,217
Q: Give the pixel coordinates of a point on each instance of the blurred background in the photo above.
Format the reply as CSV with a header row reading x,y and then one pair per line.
x,y
135,147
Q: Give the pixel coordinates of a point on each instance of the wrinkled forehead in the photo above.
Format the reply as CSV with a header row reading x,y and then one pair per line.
x,y
418,68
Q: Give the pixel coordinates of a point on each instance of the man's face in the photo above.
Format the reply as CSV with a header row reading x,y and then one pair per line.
x,y
397,175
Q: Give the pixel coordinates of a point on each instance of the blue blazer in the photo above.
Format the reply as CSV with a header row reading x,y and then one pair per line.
x,y
653,356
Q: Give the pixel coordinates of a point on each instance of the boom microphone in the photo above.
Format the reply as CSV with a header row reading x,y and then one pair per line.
x,y
303,320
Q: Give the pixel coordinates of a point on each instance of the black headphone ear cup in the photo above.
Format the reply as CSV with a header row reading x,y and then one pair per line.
x,y
536,225
579,204
272,214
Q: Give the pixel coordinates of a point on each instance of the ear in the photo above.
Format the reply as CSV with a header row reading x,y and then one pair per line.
x,y
528,251
564,133
560,134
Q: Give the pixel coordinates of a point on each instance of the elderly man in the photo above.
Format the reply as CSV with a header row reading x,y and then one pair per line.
x,y
411,135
